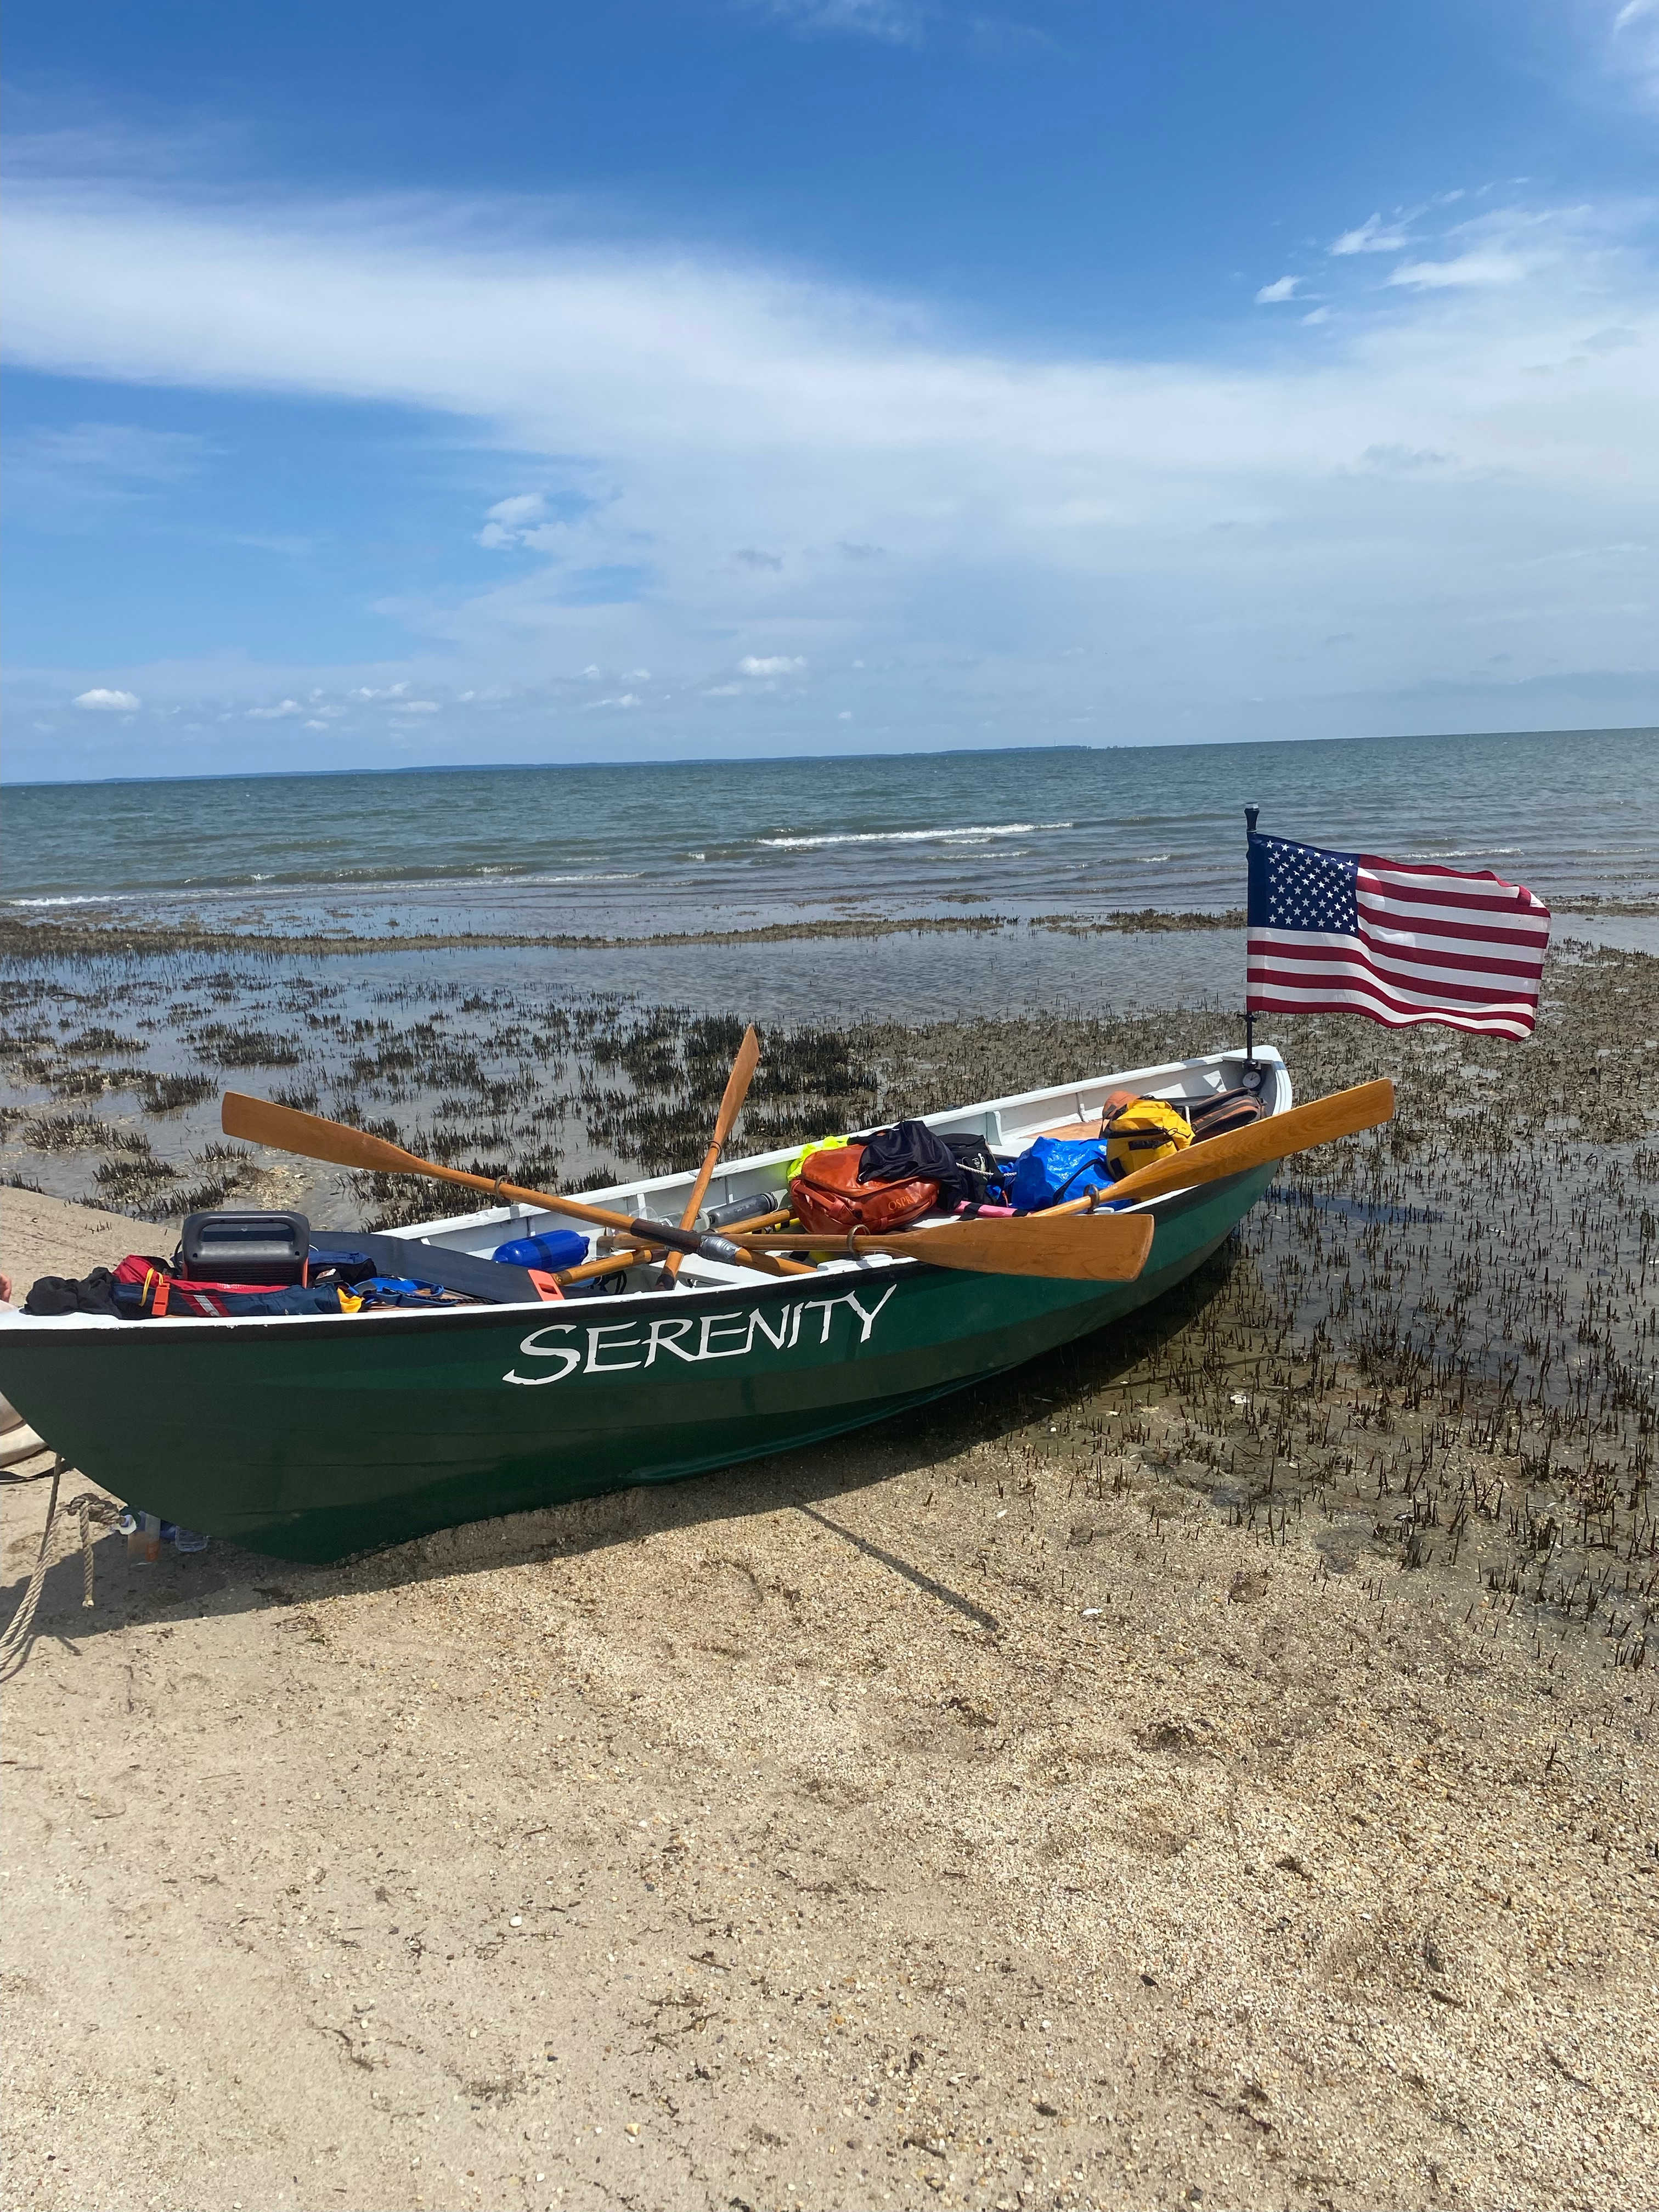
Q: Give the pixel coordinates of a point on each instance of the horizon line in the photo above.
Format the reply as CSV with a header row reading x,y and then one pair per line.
x,y
763,760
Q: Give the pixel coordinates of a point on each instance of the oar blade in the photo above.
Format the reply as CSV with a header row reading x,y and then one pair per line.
x,y
732,1101
1276,1137
738,1083
1084,1247
1093,1248
261,1122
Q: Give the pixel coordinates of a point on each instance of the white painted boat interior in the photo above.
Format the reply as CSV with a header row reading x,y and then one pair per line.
x,y
1007,1125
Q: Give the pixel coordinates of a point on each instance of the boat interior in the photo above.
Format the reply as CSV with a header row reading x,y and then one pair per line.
x,y
753,1191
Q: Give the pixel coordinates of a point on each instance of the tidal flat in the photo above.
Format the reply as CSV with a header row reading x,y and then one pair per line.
x,y
1479,1277
1213,1763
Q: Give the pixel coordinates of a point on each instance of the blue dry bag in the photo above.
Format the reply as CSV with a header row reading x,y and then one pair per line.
x,y
559,1247
1056,1168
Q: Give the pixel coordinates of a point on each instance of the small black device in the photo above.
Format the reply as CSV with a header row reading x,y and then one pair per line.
x,y
244,1248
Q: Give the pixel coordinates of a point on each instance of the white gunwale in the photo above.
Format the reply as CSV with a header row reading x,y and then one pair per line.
x,y
1008,1125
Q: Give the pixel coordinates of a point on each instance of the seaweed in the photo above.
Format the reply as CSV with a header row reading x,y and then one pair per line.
x,y
227,1046
167,1094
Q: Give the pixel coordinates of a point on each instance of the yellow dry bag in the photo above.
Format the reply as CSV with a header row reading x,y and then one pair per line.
x,y
1141,1132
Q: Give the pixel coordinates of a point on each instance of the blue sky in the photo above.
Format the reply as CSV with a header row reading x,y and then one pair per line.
x,y
390,386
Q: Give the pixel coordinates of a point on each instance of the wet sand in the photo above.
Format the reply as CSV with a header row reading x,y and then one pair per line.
x,y
1212,1768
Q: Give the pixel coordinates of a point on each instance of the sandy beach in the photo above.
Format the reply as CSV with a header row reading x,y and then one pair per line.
x,y
677,677
969,1812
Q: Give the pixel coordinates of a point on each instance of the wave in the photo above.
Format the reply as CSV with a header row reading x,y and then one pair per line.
x,y
361,884
976,831
81,898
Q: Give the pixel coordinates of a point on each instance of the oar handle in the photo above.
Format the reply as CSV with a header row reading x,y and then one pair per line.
x,y
262,1123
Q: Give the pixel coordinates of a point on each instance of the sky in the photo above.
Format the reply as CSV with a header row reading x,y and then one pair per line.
x,y
394,385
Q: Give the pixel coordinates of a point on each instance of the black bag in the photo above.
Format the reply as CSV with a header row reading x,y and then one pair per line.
x,y
981,1176
964,1168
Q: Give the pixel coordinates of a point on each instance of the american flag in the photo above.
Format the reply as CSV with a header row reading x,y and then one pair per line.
x,y
1345,934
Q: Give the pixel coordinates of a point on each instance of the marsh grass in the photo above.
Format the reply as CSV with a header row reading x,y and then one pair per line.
x,y
1444,1335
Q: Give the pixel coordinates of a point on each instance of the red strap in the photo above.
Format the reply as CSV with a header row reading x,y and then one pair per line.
x,y
138,1268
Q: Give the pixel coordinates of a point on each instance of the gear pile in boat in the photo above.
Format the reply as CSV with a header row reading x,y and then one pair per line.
x,y
891,1178
233,1266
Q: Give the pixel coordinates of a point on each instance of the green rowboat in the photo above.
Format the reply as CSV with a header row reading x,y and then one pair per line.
x,y
310,1437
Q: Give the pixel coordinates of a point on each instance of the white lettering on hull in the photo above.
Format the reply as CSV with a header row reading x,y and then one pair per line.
x,y
620,1347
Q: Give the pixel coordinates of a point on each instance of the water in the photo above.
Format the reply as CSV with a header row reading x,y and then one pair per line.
x,y
641,850
1007,854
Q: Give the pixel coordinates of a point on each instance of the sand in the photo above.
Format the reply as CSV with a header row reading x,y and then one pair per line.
x,y
927,1820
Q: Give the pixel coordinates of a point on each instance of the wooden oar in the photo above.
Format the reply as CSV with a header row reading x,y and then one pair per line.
x,y
1025,1244
737,1090
308,1135
590,1270
1106,1248
1275,1136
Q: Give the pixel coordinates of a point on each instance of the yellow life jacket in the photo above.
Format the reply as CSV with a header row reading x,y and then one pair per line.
x,y
817,1145
1142,1132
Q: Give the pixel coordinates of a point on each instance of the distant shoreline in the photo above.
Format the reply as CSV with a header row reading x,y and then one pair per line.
x,y
57,940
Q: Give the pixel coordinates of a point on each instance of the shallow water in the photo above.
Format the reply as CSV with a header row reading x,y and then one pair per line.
x,y
641,849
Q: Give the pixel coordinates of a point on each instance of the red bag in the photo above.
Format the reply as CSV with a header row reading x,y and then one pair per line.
x,y
147,1289
826,1194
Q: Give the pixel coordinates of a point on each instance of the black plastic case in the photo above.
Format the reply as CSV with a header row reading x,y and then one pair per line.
x,y
244,1248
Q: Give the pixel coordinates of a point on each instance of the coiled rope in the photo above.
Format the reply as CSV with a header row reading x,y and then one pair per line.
x,y
86,1509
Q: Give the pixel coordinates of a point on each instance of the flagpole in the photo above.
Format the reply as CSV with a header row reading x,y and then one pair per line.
x,y
1251,814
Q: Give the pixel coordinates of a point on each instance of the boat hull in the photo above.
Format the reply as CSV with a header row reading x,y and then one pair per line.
x,y
314,1438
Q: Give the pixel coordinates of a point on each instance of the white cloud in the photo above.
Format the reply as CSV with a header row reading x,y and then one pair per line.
x,y
279,713
418,707
100,702
120,452
1401,459
511,521
70,479
895,23
524,506
1483,269
627,699
1371,236
1282,288
1633,48
1020,501
290,547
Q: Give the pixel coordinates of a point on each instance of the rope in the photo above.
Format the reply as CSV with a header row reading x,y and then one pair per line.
x,y
87,1508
